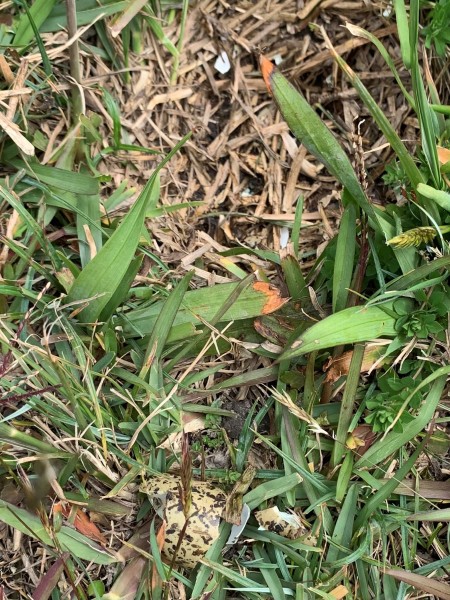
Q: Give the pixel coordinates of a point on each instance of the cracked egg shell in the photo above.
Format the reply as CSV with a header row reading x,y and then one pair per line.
x,y
207,505
285,524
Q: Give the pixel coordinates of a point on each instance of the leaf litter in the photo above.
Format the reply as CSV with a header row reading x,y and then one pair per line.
x,y
242,164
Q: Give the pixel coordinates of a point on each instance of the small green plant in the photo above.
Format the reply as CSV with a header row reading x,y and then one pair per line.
x,y
437,31
387,401
419,323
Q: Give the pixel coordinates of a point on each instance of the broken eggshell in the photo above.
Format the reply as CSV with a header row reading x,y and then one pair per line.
x,y
285,524
207,505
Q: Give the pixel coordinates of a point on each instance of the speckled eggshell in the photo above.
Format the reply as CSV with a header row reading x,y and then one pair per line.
x,y
285,524
207,505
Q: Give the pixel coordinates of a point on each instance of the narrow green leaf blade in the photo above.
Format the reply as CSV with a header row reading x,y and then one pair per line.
x,y
349,326
345,253
101,277
61,179
313,133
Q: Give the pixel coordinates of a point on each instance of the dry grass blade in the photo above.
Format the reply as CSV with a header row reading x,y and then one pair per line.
x,y
438,589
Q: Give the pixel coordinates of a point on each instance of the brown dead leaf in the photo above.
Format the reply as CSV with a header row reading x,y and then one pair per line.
x,y
339,592
438,589
360,439
191,422
336,367
127,583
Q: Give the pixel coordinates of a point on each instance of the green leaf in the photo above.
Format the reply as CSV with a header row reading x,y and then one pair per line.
x,y
349,326
345,254
122,289
68,539
315,136
78,183
403,31
87,12
391,442
427,119
102,276
347,404
38,13
18,438
342,533
440,197
164,323
204,304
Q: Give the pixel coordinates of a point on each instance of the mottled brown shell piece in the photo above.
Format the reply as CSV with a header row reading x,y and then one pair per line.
x,y
207,505
285,524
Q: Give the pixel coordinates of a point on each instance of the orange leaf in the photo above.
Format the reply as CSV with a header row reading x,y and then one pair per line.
x,y
443,155
82,523
267,68
274,300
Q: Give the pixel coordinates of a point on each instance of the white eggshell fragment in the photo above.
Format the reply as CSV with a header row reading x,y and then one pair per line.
x,y
222,63
207,505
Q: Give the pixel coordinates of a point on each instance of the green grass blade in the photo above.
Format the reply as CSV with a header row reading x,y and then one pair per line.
x,y
271,489
349,326
87,12
18,438
61,179
387,489
427,119
345,255
69,540
35,29
295,280
343,530
313,133
347,404
15,201
157,29
440,197
102,276
37,15
378,115
213,554
270,575
164,323
88,215
360,32
403,31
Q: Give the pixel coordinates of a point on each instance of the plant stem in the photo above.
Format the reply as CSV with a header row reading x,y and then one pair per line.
x,y
74,57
